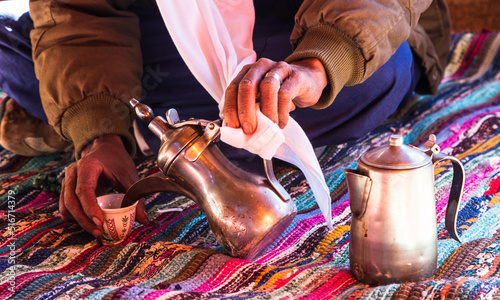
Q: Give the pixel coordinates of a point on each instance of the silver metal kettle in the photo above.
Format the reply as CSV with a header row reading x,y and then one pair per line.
x,y
393,231
246,212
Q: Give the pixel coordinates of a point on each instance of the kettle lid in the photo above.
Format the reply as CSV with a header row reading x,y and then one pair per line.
x,y
396,155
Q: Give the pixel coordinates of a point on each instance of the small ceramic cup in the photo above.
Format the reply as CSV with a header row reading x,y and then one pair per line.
x,y
118,222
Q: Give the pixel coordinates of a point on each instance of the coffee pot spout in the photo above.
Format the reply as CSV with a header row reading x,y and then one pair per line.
x,y
359,187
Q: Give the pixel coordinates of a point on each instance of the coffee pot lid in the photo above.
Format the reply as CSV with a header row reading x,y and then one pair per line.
x,y
396,155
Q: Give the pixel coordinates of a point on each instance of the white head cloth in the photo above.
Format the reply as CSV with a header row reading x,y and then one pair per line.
x,y
215,40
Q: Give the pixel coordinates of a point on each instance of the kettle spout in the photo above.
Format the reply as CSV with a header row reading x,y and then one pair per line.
x,y
359,187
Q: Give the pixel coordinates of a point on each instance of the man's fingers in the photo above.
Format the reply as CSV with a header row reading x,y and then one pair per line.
x,y
230,110
85,190
269,88
72,203
247,94
287,93
65,214
247,90
301,85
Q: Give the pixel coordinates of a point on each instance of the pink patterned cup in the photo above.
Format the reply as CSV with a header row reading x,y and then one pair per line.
x,y
118,222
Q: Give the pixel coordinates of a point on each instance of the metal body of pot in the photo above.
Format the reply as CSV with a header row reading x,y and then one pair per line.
x,y
246,212
393,230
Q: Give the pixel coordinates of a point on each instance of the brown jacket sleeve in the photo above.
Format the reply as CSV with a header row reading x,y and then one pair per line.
x,y
352,38
88,60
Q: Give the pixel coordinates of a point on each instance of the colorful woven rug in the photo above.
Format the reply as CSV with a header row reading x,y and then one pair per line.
x,y
175,256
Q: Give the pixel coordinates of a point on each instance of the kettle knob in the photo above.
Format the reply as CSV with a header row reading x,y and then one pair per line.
x,y
396,140
157,125
143,111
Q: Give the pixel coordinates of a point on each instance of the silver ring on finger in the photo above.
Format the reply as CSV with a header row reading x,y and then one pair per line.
x,y
275,76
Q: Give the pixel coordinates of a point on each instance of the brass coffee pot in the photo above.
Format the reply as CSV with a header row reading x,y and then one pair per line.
x,y
246,212
393,230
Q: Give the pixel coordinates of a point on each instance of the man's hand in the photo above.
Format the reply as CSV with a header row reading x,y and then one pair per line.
x,y
105,164
303,83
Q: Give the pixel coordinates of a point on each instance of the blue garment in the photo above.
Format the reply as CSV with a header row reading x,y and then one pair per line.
x,y
17,74
168,83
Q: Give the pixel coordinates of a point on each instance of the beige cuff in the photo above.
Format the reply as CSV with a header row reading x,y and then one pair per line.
x,y
95,116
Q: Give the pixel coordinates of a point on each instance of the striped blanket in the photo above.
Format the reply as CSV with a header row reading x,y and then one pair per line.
x,y
175,256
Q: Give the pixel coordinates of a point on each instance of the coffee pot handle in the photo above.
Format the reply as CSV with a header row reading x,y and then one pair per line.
x,y
456,190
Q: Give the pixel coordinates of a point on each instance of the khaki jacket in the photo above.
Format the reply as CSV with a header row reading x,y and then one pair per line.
x,y
88,58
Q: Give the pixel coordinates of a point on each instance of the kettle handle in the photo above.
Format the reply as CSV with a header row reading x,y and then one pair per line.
x,y
455,193
150,185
